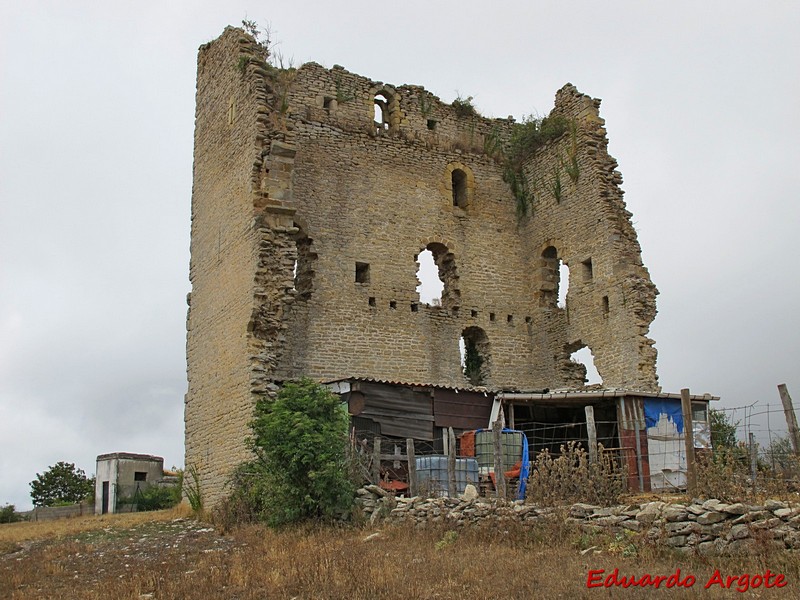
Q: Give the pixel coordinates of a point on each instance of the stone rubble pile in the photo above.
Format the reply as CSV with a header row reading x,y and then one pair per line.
x,y
706,527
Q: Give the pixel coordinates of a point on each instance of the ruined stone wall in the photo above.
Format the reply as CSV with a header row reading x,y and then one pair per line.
x,y
578,211
307,221
223,247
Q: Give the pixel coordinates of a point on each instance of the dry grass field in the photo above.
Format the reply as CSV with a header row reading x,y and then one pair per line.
x,y
169,555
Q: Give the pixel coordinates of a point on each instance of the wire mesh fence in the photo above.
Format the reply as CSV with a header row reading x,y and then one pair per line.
x,y
738,451
445,466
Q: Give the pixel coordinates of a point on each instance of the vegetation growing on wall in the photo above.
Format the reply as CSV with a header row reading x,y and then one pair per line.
x,y
473,363
464,106
343,94
526,138
280,71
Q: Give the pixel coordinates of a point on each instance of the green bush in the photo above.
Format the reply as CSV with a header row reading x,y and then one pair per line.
x,y
158,497
300,470
9,514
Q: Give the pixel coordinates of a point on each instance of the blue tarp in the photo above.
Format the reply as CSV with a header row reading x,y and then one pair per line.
x,y
654,408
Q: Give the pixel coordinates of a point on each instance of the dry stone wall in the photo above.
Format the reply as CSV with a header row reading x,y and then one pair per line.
x,y
308,216
705,527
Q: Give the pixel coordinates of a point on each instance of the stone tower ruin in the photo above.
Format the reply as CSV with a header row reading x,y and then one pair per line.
x,y
310,207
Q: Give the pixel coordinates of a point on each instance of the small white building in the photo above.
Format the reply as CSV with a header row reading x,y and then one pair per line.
x,y
122,475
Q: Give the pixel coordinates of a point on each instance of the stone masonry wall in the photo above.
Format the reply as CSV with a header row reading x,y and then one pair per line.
x,y
705,527
307,220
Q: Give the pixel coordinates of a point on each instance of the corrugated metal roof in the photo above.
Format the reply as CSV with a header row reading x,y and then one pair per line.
x,y
466,388
534,394
587,394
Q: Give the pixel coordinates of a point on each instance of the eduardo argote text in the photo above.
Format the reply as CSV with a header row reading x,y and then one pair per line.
x,y
598,578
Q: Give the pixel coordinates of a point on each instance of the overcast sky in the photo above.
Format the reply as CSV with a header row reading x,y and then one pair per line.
x,y
96,122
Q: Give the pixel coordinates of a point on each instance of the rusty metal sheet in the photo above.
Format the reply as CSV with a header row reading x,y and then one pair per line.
x,y
631,413
461,410
400,411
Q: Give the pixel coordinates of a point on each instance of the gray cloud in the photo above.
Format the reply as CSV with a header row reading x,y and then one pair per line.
x,y
96,118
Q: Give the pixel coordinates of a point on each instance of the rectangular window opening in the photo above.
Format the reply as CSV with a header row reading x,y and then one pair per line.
x,y
432,124
362,272
393,304
510,319
474,314
491,316
588,273
372,300
327,103
605,306
414,307
528,320
140,476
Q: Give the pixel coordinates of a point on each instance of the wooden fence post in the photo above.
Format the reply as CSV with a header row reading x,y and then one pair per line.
x,y
376,460
688,436
499,474
412,467
592,430
452,489
753,459
636,425
791,418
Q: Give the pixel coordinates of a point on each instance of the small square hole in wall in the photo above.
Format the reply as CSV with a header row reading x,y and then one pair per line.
x,y
327,103
491,316
432,124
474,314
455,311
414,307
393,304
510,319
372,300
528,320
588,273
362,272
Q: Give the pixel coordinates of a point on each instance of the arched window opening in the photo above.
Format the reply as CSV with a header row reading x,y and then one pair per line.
x,y
563,284
584,357
304,266
438,280
430,285
459,181
474,348
554,279
381,111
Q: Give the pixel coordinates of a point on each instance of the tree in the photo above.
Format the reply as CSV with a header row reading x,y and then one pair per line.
x,y
780,454
61,484
300,470
723,431
9,514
